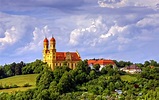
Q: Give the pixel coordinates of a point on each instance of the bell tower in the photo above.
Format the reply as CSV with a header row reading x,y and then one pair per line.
x,y
52,52
45,49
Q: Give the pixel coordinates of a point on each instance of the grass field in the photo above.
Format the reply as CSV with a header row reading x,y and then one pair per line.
x,y
19,80
128,78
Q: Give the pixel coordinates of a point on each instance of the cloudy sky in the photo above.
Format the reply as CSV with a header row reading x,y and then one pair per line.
x,y
112,29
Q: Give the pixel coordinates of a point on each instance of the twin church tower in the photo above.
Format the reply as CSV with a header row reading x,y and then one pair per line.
x,y
53,58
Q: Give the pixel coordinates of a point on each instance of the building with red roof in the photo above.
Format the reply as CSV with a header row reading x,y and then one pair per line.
x,y
53,58
101,62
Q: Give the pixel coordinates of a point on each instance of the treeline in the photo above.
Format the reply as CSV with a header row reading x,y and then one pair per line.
x,y
90,84
37,66
21,68
149,63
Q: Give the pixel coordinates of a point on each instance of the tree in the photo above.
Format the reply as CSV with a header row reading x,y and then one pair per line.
x,y
104,70
146,63
81,77
45,78
59,71
7,70
66,83
96,66
34,67
27,70
92,74
18,69
83,65
43,95
2,74
153,63
13,67
122,63
111,86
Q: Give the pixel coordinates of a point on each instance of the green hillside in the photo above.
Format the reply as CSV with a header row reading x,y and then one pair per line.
x,y
19,80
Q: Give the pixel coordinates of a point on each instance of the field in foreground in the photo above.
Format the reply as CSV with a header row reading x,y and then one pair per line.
x,y
19,80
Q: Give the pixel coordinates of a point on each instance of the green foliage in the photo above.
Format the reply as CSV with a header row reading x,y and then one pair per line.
x,y
14,86
21,68
147,63
66,81
93,74
121,64
33,67
82,83
83,65
6,86
45,78
5,96
26,85
2,73
59,71
150,73
12,69
43,95
96,66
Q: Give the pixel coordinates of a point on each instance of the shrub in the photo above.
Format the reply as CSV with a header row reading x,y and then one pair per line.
x,y
26,85
14,86
1,87
6,86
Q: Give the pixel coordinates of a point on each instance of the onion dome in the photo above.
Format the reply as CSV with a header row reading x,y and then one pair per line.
x,y
46,40
52,39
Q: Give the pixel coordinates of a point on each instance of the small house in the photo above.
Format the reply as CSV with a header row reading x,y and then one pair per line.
x,y
131,69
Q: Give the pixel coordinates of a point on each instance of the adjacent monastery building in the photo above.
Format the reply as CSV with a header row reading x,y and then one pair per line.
x,y
53,58
101,62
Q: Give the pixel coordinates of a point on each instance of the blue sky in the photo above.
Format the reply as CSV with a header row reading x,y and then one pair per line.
x,y
112,29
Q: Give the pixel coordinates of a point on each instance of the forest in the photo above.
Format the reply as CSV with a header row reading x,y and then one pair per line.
x,y
84,83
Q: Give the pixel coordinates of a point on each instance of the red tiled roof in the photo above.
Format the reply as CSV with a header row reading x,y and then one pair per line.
x,y
52,39
46,40
61,56
101,62
133,67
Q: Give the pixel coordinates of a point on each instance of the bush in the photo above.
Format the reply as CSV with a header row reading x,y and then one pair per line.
x,y
6,86
14,86
1,87
26,85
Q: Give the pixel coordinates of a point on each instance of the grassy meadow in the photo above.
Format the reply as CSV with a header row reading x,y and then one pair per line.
x,y
19,80
127,78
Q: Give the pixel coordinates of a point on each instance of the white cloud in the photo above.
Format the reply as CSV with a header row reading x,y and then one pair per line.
x,y
122,3
150,21
112,3
112,31
37,40
147,3
11,36
13,30
88,31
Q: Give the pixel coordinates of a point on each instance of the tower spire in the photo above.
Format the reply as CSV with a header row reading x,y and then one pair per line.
x,y
45,35
52,36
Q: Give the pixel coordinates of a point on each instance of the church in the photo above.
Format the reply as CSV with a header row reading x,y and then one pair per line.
x,y
53,58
